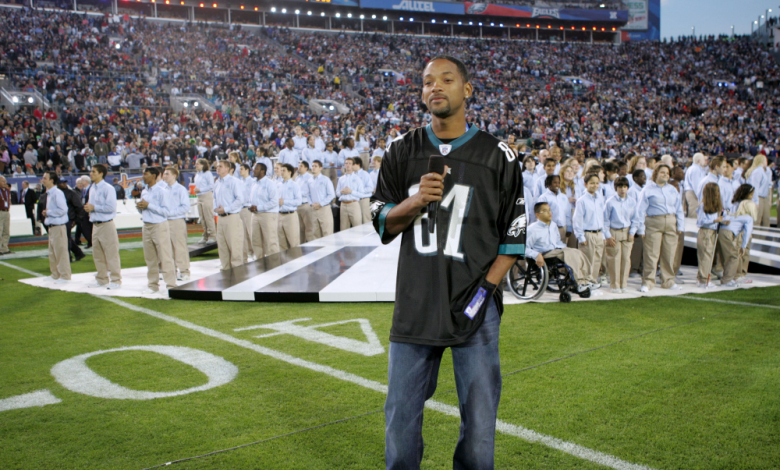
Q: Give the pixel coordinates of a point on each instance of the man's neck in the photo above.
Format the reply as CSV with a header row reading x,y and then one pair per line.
x,y
450,127
151,185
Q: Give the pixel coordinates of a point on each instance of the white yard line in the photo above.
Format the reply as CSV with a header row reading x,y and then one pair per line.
x,y
502,427
733,302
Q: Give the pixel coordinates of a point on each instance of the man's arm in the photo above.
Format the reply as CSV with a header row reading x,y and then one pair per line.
x,y
402,215
501,265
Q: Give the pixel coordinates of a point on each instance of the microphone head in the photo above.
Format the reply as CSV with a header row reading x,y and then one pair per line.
x,y
436,164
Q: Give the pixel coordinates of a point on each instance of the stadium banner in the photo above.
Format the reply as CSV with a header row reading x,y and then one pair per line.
x,y
414,5
653,30
567,14
637,15
343,3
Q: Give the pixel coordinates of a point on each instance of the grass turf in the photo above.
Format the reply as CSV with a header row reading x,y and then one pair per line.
x,y
668,383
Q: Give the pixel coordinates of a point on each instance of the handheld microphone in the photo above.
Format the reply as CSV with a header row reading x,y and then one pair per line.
x,y
435,165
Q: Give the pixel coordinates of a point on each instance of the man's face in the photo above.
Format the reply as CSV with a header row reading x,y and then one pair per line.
x,y
348,166
549,167
555,185
277,170
286,173
289,144
622,191
544,214
222,170
4,183
720,170
316,169
727,170
258,172
47,182
169,177
641,179
302,169
149,178
329,147
443,89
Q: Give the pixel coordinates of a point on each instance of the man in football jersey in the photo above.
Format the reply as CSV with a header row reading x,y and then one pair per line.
x,y
446,292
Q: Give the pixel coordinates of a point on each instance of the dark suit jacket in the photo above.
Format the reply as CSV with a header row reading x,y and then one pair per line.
x,y
30,198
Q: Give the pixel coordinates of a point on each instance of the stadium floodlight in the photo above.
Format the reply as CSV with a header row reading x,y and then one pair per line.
x,y
433,21
373,17
117,46
308,13
331,107
185,104
284,10
15,99
196,104
30,99
445,21
471,23
480,23
402,18
460,22
349,15
501,25
384,18
602,6
273,9
297,12
322,14
362,17
411,19
338,15
492,24
256,9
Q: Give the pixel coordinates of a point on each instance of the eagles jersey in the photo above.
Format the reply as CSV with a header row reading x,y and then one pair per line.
x,y
481,215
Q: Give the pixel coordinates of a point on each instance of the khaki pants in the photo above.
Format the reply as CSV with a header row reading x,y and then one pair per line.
x,y
181,253
265,233
246,222
365,209
289,231
593,252
636,254
705,252
575,259
728,247
157,253
562,232
764,206
660,246
692,204
678,253
322,222
305,223
105,252
744,260
206,213
619,259
350,215
230,241
59,258
333,174
5,231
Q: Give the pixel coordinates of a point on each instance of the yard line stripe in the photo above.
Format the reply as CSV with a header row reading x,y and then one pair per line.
x,y
28,400
21,269
501,426
732,302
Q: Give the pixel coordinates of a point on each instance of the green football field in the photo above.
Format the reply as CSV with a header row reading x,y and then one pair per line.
x,y
662,383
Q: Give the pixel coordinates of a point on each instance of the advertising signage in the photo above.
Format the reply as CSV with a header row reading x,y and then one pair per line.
x,y
414,5
567,14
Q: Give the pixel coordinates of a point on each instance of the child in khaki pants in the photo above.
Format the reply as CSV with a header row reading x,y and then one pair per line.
x,y
620,225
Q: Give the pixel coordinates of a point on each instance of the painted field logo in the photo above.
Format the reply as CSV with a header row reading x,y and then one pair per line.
x,y
546,12
411,5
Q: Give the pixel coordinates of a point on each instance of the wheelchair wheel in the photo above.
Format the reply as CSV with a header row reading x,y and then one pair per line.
x,y
526,280
556,278
565,297
585,294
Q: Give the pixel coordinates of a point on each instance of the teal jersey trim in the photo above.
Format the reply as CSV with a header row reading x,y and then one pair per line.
x,y
471,132
382,217
511,249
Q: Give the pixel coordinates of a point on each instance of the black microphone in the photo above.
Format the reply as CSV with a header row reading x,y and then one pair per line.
x,y
435,165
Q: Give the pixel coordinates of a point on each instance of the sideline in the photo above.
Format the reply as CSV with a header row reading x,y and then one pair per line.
x,y
501,426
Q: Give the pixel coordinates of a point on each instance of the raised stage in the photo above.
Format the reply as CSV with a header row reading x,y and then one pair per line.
x,y
352,266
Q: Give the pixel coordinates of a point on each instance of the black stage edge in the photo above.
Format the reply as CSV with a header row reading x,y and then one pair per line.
x,y
197,249
211,287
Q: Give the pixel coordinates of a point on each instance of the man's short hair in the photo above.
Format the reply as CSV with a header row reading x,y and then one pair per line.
x,y
462,70
153,170
611,167
53,177
351,159
716,162
172,170
226,164
637,173
305,163
317,162
538,206
246,167
548,181
100,169
621,181
263,167
289,168
358,161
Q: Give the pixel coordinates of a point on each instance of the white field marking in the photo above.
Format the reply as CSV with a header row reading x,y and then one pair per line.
x,y
549,441
75,375
371,347
21,269
28,400
733,302
513,430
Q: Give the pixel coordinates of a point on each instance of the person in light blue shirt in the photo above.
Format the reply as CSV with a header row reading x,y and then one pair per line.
x,y
588,225
299,141
716,169
228,202
156,235
558,202
708,220
304,209
204,187
264,200
758,177
56,218
248,181
726,184
529,175
262,157
693,176
620,226
177,206
347,151
330,163
639,179
661,221
549,170
322,194
374,174
731,251
310,153
289,155
289,200
348,190
542,241
367,190
105,239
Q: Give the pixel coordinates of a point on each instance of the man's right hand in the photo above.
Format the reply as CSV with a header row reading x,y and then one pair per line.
x,y
431,188
252,208
540,260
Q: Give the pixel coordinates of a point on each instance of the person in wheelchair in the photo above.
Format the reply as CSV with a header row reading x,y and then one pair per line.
x,y
543,241
559,205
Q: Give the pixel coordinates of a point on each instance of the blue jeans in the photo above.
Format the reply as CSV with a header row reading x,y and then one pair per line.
x,y
412,375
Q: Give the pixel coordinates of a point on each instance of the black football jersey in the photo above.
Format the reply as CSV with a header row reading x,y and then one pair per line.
x,y
481,215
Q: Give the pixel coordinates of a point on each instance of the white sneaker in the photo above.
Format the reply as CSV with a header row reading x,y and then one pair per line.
x,y
705,285
202,241
675,287
623,290
644,289
49,279
150,292
184,278
634,275
98,285
582,287
62,281
594,286
114,285
617,291
731,283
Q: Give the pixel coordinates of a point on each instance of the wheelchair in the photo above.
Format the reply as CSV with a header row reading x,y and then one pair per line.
x,y
527,281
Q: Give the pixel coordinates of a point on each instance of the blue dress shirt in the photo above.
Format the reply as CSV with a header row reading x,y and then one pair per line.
x,y
229,195
726,186
710,178
740,224
353,182
589,215
656,200
321,190
155,212
761,182
559,207
204,181
365,180
704,220
103,197
345,153
177,201
290,193
310,154
56,207
541,238
265,195
289,156
303,181
248,182
620,213
330,159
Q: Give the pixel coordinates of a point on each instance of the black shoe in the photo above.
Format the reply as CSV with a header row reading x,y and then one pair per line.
x,y
79,258
79,244
89,246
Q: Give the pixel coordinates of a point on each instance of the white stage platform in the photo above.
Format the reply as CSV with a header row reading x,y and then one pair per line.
x,y
350,266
